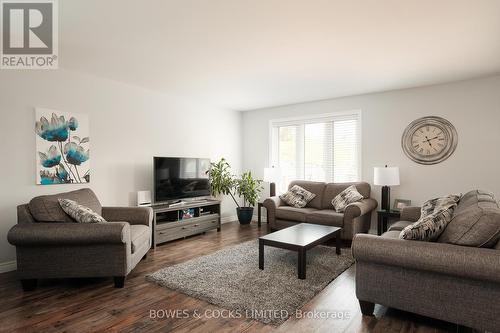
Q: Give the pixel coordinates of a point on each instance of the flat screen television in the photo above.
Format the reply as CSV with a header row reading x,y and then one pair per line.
x,y
178,178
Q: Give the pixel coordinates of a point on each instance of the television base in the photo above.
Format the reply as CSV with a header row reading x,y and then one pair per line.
x,y
169,221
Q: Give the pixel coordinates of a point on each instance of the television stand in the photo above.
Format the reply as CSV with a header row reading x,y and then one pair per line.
x,y
183,219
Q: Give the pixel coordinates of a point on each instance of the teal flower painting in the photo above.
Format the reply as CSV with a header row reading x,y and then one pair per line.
x,y
63,147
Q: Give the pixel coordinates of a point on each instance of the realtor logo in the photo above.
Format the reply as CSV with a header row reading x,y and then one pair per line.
x,y
29,34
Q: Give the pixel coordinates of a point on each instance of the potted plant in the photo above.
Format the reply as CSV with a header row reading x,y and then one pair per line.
x,y
222,182
249,189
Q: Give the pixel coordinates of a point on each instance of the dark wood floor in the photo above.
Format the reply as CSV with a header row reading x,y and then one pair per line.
x,y
95,306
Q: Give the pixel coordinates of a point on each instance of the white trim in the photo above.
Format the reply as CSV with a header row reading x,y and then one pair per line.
x,y
255,218
360,155
227,219
315,118
8,266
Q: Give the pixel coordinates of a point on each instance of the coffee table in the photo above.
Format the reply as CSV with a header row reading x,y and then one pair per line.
x,y
300,238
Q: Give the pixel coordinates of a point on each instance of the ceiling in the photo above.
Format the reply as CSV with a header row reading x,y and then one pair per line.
x,y
249,54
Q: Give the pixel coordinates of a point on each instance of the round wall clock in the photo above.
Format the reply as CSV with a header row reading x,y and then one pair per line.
x,y
429,140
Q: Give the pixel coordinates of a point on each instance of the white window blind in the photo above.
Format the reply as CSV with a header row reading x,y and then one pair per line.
x,y
323,148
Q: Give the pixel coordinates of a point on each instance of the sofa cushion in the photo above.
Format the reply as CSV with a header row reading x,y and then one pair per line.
x,y
139,235
314,187
326,217
80,213
346,197
476,223
297,196
435,216
472,198
333,189
399,226
292,213
394,234
46,208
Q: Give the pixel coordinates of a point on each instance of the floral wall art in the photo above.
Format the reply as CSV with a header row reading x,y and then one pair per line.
x,y
62,144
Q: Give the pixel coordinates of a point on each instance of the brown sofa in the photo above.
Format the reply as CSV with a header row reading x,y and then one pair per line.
x,y
355,219
49,244
455,283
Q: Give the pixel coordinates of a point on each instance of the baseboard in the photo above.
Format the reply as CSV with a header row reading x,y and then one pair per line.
x,y
256,217
227,219
8,266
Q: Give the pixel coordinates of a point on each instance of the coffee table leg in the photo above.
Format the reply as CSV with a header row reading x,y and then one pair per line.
x,y
261,254
338,243
302,264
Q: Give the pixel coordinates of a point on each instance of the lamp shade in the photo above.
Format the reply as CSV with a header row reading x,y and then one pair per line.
x,y
272,175
388,176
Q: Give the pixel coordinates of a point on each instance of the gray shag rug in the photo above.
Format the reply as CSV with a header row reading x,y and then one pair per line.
x,y
231,279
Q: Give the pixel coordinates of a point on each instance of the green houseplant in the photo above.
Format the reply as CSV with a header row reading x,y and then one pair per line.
x,y
222,182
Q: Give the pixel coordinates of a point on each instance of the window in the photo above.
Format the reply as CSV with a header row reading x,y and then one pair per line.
x,y
323,148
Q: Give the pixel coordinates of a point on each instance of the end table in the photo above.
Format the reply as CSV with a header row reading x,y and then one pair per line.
x,y
383,217
259,213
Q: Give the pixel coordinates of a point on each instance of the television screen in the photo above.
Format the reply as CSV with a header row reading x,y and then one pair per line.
x,y
178,178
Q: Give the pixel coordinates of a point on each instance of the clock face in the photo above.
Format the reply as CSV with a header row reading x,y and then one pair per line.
x,y
429,140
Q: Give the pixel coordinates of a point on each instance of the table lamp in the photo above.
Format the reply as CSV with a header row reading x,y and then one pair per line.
x,y
387,176
272,175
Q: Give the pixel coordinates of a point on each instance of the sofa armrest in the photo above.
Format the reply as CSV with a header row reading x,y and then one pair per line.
x,y
455,260
35,234
133,215
272,203
410,214
359,208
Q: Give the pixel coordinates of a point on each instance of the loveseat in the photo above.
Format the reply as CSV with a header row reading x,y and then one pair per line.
x,y
456,278
50,244
355,219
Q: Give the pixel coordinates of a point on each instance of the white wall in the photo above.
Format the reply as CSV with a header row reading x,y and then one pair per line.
x,y
472,106
128,126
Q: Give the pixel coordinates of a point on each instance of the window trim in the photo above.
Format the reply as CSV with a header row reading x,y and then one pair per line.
x,y
314,118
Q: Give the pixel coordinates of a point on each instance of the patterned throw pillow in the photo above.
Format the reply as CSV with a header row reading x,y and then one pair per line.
x,y
346,197
80,213
435,216
297,196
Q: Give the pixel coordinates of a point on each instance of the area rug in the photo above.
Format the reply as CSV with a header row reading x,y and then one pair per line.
x,y
231,279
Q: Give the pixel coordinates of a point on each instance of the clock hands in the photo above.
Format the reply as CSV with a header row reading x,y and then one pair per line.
x,y
429,140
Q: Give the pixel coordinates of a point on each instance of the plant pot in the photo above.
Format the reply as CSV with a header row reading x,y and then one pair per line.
x,y
245,214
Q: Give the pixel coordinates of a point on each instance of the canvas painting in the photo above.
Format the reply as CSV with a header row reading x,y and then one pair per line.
x,y
63,147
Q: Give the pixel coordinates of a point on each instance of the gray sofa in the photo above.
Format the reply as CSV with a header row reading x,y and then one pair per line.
x,y
355,219
455,283
49,244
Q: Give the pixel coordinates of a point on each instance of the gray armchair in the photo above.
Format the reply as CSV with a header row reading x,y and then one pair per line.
x,y
50,245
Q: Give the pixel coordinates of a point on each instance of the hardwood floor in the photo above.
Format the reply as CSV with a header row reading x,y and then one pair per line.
x,y
94,305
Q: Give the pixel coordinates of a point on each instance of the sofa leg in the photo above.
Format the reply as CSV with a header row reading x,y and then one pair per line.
x,y
119,281
145,257
28,284
366,307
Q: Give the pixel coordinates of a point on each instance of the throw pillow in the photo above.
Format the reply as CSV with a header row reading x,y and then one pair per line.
x,y
346,197
80,213
297,196
433,205
435,216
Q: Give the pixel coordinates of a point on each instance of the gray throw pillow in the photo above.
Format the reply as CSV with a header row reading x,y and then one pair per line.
x,y
297,196
435,216
346,197
80,213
